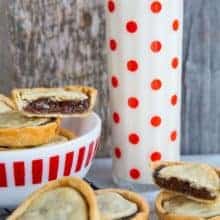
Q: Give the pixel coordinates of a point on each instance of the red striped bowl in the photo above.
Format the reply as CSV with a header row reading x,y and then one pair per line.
x,y
24,171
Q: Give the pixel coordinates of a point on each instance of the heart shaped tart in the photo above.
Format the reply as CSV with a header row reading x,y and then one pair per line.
x,y
121,205
71,101
177,207
65,199
17,130
196,181
6,104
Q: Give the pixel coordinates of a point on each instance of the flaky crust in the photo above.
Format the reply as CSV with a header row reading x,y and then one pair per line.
x,y
155,165
62,132
89,91
70,135
29,136
143,207
164,215
82,187
7,101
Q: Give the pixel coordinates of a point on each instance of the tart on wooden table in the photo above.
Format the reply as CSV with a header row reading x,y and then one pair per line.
x,y
118,204
65,199
17,130
63,136
170,206
196,181
70,101
6,104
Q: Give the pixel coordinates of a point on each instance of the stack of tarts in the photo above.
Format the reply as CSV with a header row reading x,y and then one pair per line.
x,y
32,117
189,191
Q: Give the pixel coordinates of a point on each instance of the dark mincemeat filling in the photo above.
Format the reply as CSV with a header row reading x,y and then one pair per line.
x,y
181,186
46,105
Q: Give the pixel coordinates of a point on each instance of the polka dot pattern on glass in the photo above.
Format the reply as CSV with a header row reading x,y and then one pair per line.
x,y
111,6
155,156
135,173
114,81
117,152
144,70
132,65
156,6
134,138
131,26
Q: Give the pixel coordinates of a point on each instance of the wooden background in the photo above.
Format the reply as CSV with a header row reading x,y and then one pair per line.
x,y
59,42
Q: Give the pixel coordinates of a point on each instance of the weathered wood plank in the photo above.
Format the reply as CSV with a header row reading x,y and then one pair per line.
x,y
59,42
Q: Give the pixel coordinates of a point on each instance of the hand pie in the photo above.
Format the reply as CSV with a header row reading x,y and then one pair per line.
x,y
177,207
197,181
69,101
17,130
65,199
63,136
121,204
6,104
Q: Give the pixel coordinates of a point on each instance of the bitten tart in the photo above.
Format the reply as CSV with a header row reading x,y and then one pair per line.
x,y
6,104
196,181
68,198
17,130
70,101
170,206
121,205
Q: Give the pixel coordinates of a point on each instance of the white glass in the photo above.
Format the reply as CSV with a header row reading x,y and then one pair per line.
x,y
144,40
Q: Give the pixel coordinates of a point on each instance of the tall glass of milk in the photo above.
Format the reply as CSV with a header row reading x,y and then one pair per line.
x,y
144,40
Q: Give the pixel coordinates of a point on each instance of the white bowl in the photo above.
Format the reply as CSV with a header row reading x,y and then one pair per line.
x,y
24,171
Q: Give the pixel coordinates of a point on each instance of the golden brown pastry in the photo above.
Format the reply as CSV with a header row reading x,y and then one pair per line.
x,y
6,104
17,130
121,204
63,136
74,101
170,206
68,198
196,181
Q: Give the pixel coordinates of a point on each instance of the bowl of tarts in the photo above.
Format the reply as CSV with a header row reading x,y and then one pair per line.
x,y
24,170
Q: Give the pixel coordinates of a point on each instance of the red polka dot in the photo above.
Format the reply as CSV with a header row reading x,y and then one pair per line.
x,y
131,26
132,65
133,102
155,156
156,121
173,135
134,138
111,6
156,84
135,173
116,117
156,7
175,25
117,152
113,44
175,62
174,99
114,82
156,46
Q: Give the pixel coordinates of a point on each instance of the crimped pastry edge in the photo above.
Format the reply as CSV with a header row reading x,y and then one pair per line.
x,y
7,101
73,182
29,136
89,91
165,215
143,207
155,165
